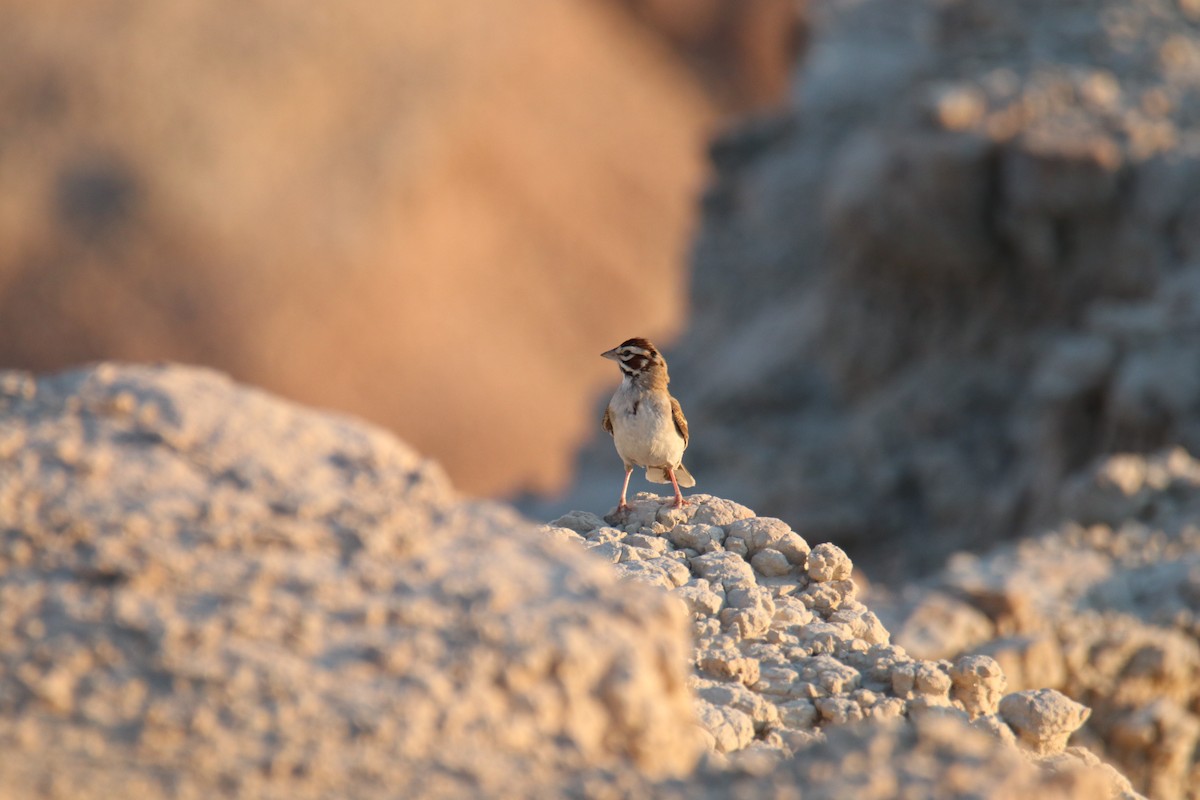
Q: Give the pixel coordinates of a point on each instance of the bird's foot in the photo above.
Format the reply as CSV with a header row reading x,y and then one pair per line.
x,y
619,515
680,503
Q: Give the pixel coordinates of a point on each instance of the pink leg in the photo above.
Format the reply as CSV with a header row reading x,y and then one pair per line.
x,y
623,506
679,501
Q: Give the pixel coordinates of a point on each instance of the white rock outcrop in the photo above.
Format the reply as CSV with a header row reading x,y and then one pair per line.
x,y
207,591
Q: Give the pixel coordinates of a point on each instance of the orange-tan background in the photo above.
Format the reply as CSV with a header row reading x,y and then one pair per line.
x,y
428,214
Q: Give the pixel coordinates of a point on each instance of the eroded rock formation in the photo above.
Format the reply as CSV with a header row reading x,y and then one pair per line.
x,y
1105,607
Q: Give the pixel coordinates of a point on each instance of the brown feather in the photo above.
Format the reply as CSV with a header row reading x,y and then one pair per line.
x,y
607,422
680,421
641,343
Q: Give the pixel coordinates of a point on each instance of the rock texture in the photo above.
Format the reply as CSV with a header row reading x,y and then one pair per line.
x,y
964,263
784,650
206,591
936,756
1106,608
342,203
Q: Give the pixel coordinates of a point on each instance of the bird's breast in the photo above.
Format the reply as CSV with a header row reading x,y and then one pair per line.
x,y
644,430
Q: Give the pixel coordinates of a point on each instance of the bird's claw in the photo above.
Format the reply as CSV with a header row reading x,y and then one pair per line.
x,y
619,515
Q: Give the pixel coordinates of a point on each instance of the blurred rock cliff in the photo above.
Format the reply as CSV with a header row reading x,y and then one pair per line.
x,y
960,266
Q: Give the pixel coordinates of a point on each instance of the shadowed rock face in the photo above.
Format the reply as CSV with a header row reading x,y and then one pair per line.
x,y
430,218
961,265
210,591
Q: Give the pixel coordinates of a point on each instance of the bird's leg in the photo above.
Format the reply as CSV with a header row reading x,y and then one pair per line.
x,y
623,506
679,501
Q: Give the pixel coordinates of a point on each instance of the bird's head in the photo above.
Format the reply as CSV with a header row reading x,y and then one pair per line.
x,y
638,358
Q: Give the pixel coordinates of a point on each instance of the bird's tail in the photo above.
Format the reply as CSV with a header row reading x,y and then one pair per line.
x,y
659,475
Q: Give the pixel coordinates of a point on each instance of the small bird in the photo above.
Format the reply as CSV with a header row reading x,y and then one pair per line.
x,y
646,422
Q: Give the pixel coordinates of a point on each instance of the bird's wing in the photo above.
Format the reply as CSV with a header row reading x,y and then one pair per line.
x,y
680,421
607,422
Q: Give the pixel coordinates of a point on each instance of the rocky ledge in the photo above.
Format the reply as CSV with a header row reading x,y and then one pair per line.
x,y
785,650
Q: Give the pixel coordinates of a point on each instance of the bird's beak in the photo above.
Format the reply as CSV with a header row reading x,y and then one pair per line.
x,y
610,354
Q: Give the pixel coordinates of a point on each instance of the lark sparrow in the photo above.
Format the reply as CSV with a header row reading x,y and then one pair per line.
x,y
646,422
